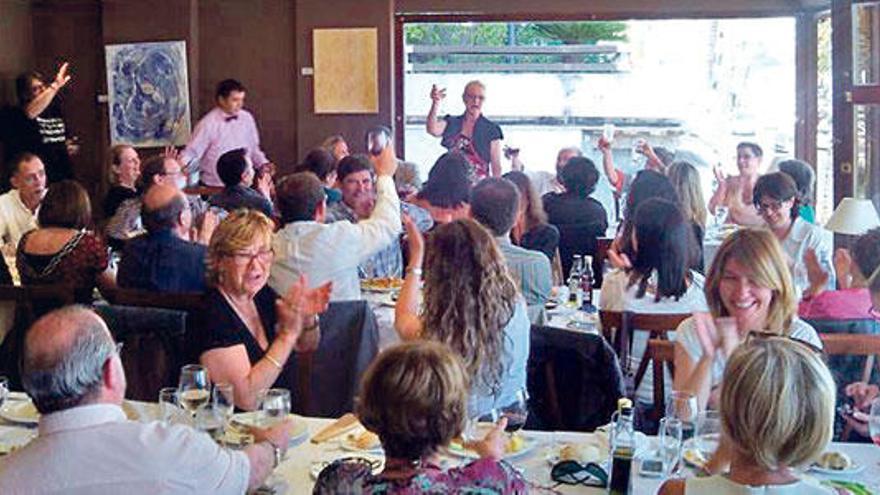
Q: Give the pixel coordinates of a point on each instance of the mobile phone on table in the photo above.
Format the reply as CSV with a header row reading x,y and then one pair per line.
x,y
651,468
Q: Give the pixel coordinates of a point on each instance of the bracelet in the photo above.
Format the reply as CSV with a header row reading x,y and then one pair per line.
x,y
273,361
415,271
314,326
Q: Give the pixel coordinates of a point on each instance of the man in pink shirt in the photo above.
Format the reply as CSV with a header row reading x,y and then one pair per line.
x,y
226,127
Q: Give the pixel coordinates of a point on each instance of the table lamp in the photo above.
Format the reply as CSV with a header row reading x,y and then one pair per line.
x,y
853,217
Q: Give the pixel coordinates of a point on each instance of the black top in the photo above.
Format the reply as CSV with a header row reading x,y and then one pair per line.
x,y
579,220
43,136
485,131
544,238
239,196
219,326
115,196
698,264
162,262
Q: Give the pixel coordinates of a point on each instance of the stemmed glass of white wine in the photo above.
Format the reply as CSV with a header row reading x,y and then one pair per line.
x,y
194,388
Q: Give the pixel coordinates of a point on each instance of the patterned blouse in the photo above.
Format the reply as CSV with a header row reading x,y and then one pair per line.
x,y
483,476
78,263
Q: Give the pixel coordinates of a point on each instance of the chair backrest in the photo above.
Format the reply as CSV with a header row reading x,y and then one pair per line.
x,y
329,378
658,353
574,380
22,306
853,345
618,328
187,301
656,323
154,346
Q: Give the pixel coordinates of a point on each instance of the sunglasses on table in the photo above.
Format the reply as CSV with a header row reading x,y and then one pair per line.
x,y
575,473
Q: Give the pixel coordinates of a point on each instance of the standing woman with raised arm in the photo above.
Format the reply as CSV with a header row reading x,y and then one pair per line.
x,y
471,134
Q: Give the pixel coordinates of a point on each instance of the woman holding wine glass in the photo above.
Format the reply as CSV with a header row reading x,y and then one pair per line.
x,y
247,332
777,414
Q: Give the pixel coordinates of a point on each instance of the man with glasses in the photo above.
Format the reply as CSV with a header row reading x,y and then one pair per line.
x,y
472,134
72,370
18,207
165,259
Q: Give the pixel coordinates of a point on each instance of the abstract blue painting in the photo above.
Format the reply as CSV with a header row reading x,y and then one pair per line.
x,y
148,93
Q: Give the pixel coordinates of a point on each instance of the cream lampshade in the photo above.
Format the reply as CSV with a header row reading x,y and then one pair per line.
x,y
853,217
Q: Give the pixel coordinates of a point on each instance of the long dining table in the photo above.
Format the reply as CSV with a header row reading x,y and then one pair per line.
x,y
296,474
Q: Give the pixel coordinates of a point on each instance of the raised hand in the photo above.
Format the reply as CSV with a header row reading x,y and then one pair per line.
x,y
815,274
492,446
862,394
707,333
843,263
385,163
415,241
719,174
61,77
437,94
604,145
264,185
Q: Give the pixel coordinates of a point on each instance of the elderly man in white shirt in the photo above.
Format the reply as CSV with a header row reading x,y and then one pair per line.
x,y
19,206
331,252
73,373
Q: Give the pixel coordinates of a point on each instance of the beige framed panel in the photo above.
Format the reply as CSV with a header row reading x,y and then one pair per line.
x,y
346,65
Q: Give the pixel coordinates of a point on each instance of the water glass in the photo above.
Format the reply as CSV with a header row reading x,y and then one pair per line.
x,y
224,399
720,215
608,132
210,421
670,446
684,407
708,433
167,404
874,421
194,389
274,406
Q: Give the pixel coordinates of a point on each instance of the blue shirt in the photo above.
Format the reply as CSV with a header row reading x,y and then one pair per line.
x,y
513,377
531,270
162,262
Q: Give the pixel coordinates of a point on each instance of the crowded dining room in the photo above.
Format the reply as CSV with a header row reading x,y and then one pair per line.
x,y
461,247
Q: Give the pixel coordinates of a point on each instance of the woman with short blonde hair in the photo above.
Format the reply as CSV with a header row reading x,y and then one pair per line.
x,y
777,413
247,333
427,384
748,288
124,171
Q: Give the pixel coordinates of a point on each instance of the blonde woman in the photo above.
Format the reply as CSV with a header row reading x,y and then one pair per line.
x,y
472,304
428,386
748,288
777,413
125,168
247,332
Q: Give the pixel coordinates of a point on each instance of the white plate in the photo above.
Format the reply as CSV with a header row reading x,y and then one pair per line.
x,y
458,450
12,439
347,443
855,469
20,411
298,431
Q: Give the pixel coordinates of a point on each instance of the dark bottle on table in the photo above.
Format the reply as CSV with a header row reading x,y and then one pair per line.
x,y
624,447
587,284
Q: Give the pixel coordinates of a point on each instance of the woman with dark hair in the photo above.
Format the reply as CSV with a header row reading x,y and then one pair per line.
x,y
647,184
579,218
685,180
446,194
660,279
37,126
472,304
321,162
61,250
735,192
804,177
776,199
531,229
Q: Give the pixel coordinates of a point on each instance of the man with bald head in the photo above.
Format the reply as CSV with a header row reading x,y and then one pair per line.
x,y
72,371
164,259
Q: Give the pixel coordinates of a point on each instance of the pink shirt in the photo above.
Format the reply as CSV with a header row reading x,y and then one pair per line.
x,y
217,133
845,304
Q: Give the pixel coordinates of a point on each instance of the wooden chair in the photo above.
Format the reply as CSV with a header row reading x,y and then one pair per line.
x,y
618,328
184,301
658,353
842,344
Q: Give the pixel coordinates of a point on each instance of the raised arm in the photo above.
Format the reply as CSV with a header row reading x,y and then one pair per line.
x,y
433,125
695,375
40,102
615,178
495,158
383,225
406,312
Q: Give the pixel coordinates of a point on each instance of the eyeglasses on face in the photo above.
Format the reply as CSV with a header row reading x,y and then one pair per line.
x,y
771,206
244,258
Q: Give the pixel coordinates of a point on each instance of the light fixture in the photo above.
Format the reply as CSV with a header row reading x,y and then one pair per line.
x,y
853,217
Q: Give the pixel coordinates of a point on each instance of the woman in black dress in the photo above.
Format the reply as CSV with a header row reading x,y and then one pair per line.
x,y
247,332
125,168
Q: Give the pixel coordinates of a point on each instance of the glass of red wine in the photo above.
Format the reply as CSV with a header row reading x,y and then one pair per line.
x,y
516,412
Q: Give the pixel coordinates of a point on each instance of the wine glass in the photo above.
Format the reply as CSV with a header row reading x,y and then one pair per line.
x,y
275,406
683,406
516,412
720,215
194,389
874,421
708,433
670,434
4,389
167,403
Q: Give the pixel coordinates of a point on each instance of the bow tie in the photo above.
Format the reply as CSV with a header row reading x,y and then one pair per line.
x,y
230,118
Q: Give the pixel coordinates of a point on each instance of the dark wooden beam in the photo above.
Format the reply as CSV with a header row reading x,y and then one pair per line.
x,y
842,115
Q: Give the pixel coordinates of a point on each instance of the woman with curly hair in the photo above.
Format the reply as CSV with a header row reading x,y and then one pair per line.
x,y
471,304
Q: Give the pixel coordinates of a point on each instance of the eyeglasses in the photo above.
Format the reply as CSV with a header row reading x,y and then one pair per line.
x,y
771,206
770,335
242,258
575,473
474,97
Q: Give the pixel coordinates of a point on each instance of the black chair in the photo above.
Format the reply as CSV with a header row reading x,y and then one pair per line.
x,y
328,379
574,380
153,349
